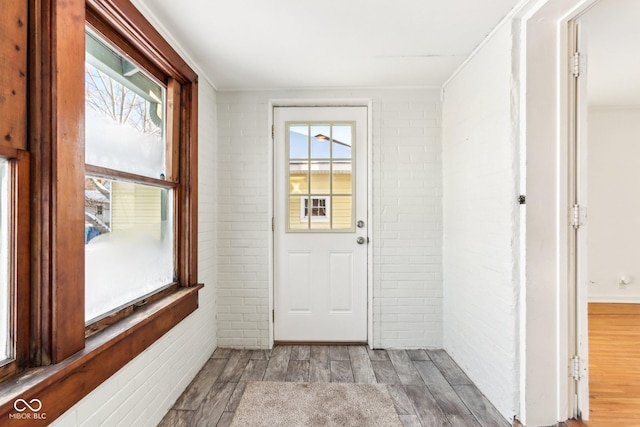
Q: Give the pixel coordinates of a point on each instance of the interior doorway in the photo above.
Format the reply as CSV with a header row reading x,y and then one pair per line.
x,y
606,221
321,224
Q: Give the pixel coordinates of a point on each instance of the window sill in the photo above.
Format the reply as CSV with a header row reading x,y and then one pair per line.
x,y
60,386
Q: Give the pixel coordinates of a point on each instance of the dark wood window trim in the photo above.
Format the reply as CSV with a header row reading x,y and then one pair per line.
x,y
63,365
20,250
13,147
61,385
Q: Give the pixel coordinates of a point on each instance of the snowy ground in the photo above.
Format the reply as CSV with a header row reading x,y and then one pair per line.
x,y
123,266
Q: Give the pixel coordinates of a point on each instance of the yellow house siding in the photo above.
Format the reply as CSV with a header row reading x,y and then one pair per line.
x,y
136,207
340,203
341,209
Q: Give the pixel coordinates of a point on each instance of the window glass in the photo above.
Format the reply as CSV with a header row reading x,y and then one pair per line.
x,y
299,142
6,346
320,176
129,242
342,142
125,124
320,142
129,248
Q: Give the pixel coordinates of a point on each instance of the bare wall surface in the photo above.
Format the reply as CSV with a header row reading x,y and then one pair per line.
x,y
481,215
406,236
613,204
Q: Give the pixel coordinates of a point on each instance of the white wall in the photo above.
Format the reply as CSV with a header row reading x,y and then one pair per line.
x,y
143,391
407,231
547,324
613,203
481,215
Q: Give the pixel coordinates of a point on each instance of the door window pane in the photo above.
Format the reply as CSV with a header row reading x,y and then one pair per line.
x,y
124,115
342,176
320,142
342,212
342,141
299,142
129,247
297,218
6,345
298,177
320,177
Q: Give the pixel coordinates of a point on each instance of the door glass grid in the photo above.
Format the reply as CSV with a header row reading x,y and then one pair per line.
x,y
320,176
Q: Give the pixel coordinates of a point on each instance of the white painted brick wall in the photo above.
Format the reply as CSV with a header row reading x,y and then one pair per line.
x,y
143,391
481,221
243,206
407,215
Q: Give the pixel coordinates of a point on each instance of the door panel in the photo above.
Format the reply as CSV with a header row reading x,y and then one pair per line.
x,y
320,192
341,282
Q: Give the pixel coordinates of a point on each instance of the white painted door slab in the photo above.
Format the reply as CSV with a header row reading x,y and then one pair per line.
x,y
320,224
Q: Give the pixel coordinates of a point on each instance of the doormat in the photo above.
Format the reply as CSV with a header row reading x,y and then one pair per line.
x,y
272,404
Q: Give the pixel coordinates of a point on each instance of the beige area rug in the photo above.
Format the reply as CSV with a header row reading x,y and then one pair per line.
x,y
315,404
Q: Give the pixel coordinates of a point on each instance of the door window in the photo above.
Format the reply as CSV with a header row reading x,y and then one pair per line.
x,y
320,176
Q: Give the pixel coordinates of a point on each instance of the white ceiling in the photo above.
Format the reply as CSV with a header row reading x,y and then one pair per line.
x,y
285,44
612,30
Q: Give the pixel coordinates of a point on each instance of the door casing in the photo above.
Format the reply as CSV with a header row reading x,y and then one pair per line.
x,y
370,228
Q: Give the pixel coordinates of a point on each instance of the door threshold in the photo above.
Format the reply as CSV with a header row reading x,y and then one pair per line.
x,y
327,343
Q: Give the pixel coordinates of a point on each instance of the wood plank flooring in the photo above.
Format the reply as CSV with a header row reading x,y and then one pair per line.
x,y
614,365
427,387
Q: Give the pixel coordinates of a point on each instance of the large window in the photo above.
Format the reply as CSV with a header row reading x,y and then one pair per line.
x,y
129,254
98,196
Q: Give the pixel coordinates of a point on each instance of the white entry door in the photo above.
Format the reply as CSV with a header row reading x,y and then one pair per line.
x,y
320,224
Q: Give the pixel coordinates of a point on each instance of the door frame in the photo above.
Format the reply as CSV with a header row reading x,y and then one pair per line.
x,y
548,304
321,102
578,244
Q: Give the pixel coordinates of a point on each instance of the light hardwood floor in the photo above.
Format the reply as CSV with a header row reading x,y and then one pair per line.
x,y
614,365
427,387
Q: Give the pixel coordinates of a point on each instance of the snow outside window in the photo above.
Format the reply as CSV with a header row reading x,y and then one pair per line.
x,y
129,221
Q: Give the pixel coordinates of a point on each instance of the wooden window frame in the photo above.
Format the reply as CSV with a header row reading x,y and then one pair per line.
x,y
13,147
60,364
19,249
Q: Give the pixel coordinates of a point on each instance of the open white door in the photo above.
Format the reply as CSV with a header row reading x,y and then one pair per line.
x,y
320,224
580,225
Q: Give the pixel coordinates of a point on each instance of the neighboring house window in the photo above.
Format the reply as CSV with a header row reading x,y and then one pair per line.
x,y
320,209
104,297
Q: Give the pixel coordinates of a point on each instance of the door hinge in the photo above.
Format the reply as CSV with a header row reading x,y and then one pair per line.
x,y
273,132
273,224
273,316
575,368
575,64
575,216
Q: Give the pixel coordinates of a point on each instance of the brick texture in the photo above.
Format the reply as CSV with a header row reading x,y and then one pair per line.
x,y
407,216
481,220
